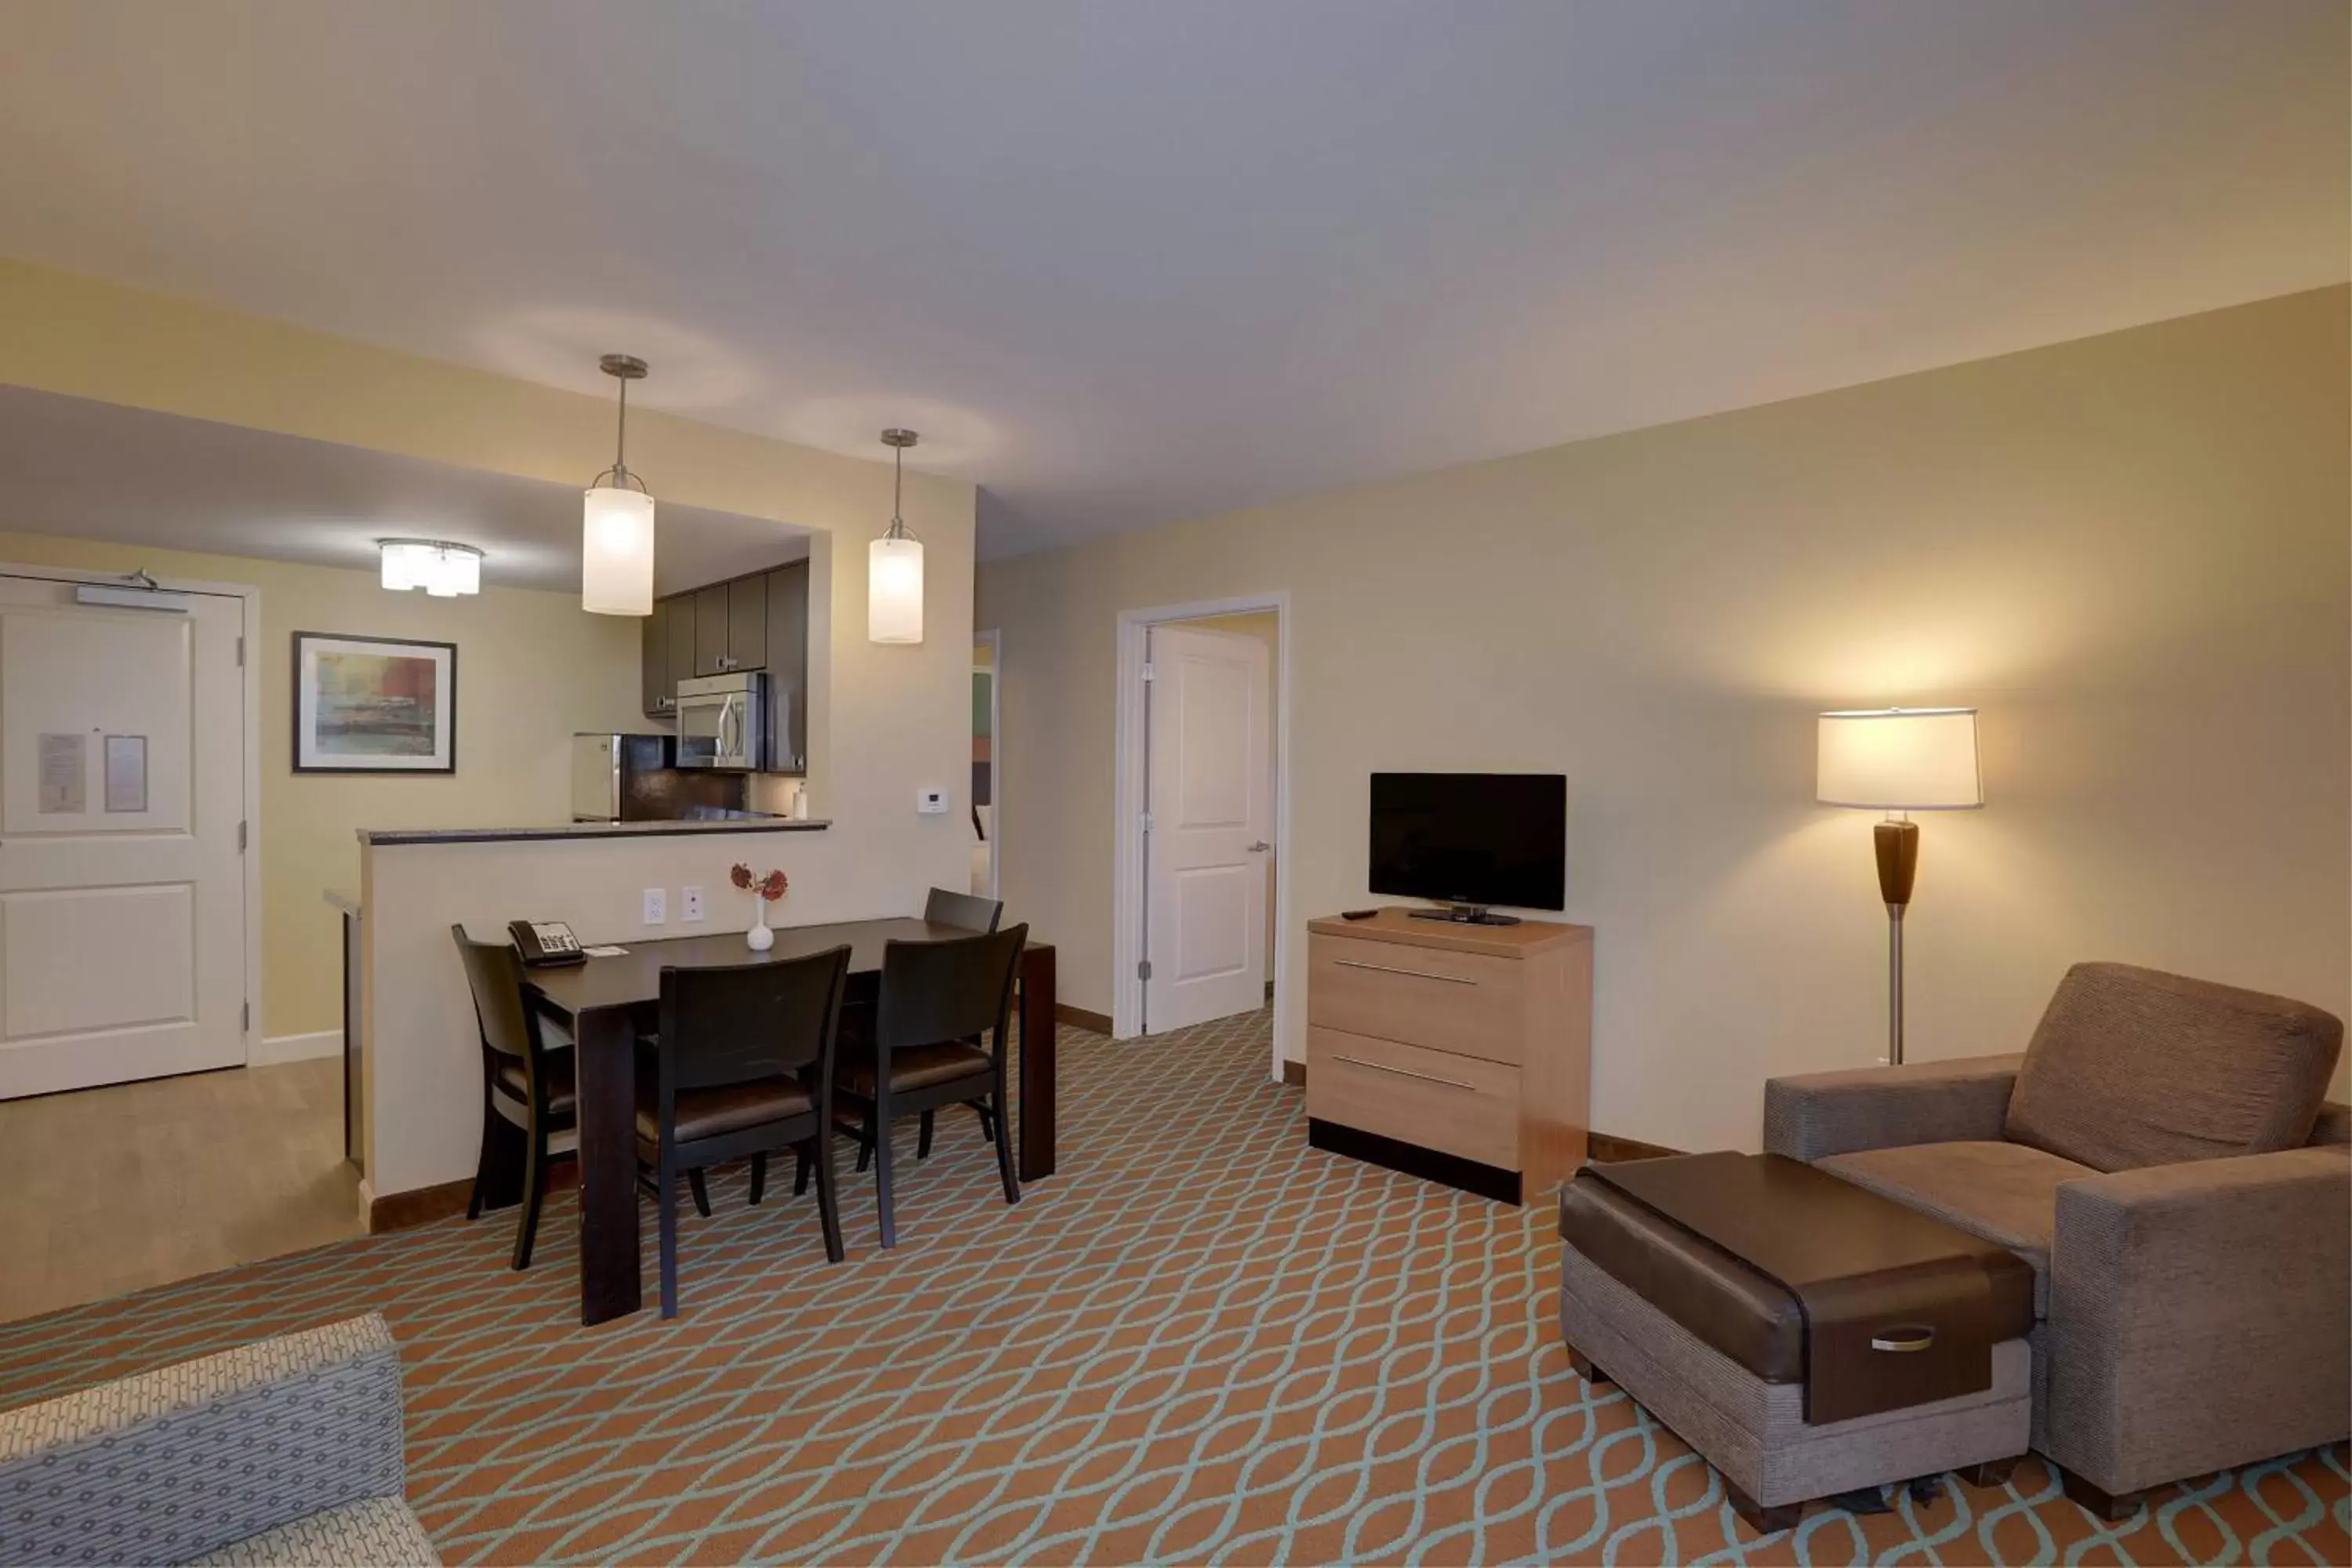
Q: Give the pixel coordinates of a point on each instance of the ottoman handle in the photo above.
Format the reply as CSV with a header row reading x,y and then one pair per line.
x,y
1903,1339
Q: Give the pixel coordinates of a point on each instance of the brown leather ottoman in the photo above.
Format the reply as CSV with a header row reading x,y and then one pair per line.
x,y
1805,1336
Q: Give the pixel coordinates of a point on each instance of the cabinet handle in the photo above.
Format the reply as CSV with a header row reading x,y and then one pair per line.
x,y
1405,1072
1416,973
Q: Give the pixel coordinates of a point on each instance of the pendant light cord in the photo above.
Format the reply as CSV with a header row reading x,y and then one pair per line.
x,y
897,528
621,436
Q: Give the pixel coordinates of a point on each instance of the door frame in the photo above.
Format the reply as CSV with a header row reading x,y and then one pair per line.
x,y
249,662
995,641
1127,813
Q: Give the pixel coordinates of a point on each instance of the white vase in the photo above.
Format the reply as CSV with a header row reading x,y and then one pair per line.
x,y
760,938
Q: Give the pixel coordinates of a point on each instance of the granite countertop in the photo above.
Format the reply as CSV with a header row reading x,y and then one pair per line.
x,y
381,836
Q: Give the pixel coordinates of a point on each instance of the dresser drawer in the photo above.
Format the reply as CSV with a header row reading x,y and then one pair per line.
x,y
1461,1002
1456,1105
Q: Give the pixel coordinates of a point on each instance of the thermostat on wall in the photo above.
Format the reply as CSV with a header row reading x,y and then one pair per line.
x,y
931,802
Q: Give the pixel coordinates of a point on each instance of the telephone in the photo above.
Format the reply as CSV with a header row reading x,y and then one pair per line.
x,y
545,943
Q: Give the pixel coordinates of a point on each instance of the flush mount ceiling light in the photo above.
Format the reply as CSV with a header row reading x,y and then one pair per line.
x,y
443,570
617,531
894,564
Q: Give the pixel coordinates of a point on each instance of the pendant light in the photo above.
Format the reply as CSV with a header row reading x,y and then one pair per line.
x,y
894,564
616,532
443,570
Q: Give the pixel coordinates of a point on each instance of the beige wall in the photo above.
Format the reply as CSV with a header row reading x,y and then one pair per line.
x,y
2131,551
531,668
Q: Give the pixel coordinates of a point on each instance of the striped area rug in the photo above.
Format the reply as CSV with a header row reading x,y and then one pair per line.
x,y
1201,1342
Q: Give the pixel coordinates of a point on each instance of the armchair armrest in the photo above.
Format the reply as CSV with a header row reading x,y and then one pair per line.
x,y
2201,1316
138,1470
1819,1114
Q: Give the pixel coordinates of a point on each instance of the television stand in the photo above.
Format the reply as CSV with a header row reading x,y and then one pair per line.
x,y
1466,915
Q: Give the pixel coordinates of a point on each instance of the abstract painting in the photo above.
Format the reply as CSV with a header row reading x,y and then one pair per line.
x,y
375,705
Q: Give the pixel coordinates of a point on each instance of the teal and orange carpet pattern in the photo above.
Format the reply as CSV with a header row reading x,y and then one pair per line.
x,y
1202,1341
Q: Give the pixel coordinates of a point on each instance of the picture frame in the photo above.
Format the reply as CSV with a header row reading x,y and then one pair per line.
x,y
373,705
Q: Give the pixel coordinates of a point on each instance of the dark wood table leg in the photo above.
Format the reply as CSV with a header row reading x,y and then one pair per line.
x,y
1036,1062
606,1066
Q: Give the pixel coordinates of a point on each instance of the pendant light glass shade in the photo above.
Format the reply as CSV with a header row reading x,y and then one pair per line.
x,y
616,522
894,564
893,590
616,552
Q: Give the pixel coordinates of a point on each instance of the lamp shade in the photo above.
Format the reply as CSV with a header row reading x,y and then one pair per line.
x,y
616,552
893,590
1900,759
443,570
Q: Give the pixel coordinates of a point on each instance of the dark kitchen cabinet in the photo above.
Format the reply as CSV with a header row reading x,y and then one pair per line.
x,y
759,622
660,691
710,619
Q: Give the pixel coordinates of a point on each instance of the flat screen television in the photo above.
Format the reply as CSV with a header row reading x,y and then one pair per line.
x,y
1470,841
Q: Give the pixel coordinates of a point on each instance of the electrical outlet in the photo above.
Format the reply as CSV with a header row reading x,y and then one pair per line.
x,y
689,903
656,906
931,802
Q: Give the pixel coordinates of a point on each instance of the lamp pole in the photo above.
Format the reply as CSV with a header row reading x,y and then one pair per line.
x,y
1896,840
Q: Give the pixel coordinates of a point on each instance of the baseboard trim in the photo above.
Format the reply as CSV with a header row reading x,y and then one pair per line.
x,y
1081,1018
1431,1165
1608,1148
281,1049
1294,1073
424,1206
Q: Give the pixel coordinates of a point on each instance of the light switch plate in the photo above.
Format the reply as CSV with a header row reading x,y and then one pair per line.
x,y
656,906
689,903
932,801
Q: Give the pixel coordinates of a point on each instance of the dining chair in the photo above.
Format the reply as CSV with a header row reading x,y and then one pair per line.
x,y
526,1084
969,910
743,1066
939,1000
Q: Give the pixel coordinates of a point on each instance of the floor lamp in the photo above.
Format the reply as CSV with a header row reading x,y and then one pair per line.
x,y
1898,761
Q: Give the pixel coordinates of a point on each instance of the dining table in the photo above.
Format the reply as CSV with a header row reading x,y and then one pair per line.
x,y
608,1002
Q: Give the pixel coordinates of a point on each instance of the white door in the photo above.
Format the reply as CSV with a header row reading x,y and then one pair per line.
x,y
1210,807
121,884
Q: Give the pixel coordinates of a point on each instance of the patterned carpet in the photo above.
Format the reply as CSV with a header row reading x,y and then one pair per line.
x,y
1202,1341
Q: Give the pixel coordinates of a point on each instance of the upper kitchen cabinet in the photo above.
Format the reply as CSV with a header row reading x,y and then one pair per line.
x,y
710,619
787,592
660,686
759,622
747,622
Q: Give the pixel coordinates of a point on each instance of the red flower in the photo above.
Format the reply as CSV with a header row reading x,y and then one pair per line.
x,y
741,876
772,886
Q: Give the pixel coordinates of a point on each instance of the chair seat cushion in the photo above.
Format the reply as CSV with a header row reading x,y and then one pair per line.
x,y
563,1094
917,1067
2006,1194
710,1112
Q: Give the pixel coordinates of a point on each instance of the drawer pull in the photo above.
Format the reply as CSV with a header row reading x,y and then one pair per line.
x,y
1389,969
1905,1340
1405,1072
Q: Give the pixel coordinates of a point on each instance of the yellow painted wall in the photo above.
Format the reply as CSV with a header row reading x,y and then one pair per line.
x,y
532,667
2132,551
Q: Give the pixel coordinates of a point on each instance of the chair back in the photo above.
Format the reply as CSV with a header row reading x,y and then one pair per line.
x,y
958,989
493,974
741,1023
974,913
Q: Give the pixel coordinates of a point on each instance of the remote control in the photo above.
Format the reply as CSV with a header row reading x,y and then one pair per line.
x,y
1357,914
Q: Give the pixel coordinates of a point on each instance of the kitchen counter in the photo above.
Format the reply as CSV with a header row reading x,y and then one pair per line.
x,y
379,837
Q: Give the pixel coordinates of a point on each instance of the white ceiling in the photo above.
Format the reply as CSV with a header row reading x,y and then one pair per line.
x,y
95,470
1125,262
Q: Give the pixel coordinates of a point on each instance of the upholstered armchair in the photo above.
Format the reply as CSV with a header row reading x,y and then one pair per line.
x,y
2163,1156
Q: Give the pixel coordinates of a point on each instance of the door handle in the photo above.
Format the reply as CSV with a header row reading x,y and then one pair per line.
x,y
1260,848
1903,1339
1416,973
1405,1072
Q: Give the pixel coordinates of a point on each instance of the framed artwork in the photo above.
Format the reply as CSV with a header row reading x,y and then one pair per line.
x,y
375,705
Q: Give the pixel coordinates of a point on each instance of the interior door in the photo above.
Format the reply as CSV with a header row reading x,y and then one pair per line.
x,y
121,879
1209,807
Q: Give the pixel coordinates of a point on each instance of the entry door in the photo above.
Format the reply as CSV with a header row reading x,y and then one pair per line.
x,y
121,883
1209,807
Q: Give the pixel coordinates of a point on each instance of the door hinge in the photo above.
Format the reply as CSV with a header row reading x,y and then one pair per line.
x,y
1146,822
240,837
1150,674
1143,970
240,653
248,1025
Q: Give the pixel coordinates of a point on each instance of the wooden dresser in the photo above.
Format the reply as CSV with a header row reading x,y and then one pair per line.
x,y
1456,1052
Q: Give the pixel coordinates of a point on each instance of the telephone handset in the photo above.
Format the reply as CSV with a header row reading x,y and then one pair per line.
x,y
545,943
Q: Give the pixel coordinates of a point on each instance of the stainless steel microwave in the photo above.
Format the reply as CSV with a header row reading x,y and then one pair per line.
x,y
722,721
